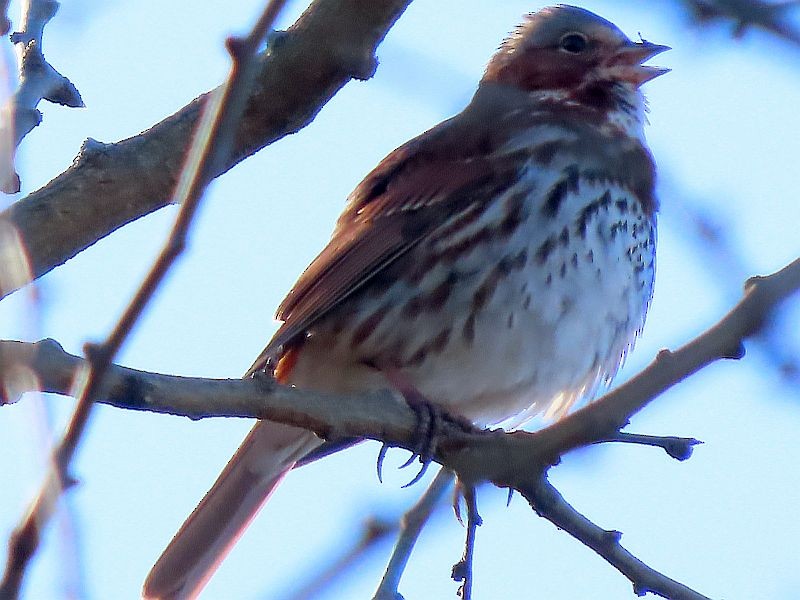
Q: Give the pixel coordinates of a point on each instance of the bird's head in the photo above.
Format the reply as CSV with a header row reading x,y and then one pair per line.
x,y
569,52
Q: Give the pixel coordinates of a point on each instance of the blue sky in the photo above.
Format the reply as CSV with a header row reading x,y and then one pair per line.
x,y
726,135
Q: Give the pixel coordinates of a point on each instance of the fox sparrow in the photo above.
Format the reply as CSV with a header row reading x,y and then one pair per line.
x,y
501,264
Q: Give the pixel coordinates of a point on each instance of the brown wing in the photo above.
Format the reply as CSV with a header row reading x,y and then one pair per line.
x,y
412,191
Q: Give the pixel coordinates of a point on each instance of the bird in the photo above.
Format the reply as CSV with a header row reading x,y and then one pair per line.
x,y
500,265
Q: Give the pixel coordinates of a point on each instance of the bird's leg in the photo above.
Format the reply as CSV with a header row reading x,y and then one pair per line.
x,y
429,424
679,448
462,570
430,418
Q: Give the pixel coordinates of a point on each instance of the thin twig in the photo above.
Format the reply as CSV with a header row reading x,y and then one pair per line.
x,y
548,503
411,526
38,81
462,570
679,448
375,531
210,147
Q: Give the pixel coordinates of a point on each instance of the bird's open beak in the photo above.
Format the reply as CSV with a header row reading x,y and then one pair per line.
x,y
626,64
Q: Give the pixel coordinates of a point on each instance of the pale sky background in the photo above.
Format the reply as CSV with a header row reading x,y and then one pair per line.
x,y
726,135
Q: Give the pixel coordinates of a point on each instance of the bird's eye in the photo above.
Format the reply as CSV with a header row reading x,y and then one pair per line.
x,y
574,43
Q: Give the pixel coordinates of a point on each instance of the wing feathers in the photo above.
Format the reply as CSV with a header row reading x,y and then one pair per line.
x,y
414,190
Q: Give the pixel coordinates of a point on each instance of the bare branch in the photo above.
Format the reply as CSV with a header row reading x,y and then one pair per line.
x,y
110,185
211,145
548,503
200,398
411,526
462,570
384,416
517,460
38,81
374,532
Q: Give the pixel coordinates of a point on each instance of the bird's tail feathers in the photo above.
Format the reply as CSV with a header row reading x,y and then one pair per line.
x,y
267,454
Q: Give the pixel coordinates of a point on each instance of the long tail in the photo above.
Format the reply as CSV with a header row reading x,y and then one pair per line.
x,y
267,454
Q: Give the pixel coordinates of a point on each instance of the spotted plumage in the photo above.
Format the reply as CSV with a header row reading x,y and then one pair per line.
x,y
500,264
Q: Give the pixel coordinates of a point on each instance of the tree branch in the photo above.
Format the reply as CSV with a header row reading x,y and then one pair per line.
x,y
379,413
38,81
410,526
518,460
210,146
110,185
550,504
383,415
